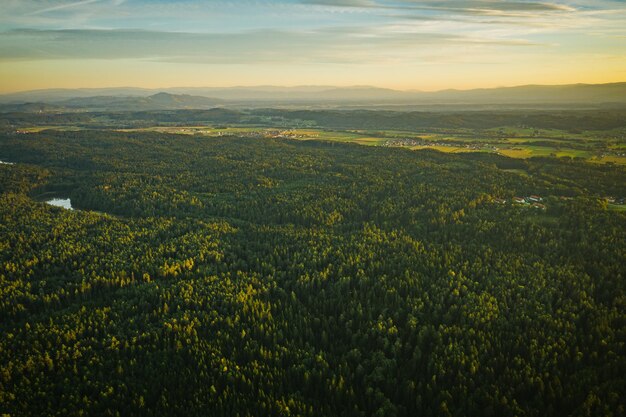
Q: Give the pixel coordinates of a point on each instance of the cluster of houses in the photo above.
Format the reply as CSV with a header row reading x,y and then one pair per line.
x,y
533,201
605,154
287,134
407,142
277,134
422,142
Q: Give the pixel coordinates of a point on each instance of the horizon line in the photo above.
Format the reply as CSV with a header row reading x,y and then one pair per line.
x,y
307,86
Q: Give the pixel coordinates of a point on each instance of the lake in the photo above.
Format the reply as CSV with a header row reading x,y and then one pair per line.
x,y
61,202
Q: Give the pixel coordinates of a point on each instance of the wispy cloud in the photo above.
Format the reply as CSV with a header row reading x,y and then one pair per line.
x,y
458,6
63,6
337,45
301,34
344,3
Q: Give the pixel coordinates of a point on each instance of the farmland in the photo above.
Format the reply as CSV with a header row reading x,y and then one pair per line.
x,y
594,146
598,137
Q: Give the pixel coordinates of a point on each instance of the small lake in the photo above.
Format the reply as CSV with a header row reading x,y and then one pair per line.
x,y
61,202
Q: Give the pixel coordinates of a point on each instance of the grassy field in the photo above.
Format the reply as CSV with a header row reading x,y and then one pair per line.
x,y
529,151
620,160
514,142
299,134
516,153
37,129
446,149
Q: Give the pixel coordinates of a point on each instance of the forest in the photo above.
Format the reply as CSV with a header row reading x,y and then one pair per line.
x,y
246,276
569,120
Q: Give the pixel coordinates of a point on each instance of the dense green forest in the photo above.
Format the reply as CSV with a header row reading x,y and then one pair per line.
x,y
248,277
570,120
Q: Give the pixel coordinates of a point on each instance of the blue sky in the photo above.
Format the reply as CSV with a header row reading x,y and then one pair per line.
x,y
405,44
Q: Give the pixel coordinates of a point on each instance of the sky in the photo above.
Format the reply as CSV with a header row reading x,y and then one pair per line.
x,y
402,44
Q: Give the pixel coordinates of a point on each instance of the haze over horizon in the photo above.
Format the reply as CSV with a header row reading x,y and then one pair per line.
x,y
424,45
182,89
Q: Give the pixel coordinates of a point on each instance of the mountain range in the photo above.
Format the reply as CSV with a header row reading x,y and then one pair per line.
x,y
124,99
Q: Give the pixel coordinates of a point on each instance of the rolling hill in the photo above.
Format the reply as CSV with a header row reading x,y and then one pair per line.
x,y
122,99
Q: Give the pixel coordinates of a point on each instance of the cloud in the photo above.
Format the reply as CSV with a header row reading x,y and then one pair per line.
x,y
343,3
487,7
64,6
382,31
334,45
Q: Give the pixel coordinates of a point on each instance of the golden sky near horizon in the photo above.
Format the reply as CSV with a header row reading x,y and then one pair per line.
x,y
407,44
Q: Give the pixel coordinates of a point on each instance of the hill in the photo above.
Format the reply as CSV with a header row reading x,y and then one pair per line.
x,y
159,101
581,95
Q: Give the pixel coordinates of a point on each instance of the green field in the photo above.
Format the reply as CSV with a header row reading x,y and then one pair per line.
x,y
515,142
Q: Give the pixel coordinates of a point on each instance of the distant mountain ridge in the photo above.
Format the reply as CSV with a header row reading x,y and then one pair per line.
x,y
159,101
205,97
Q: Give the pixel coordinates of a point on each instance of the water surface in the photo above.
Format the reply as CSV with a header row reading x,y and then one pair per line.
x,y
61,202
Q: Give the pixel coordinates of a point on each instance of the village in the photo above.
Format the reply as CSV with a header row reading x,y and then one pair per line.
x,y
410,142
267,133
